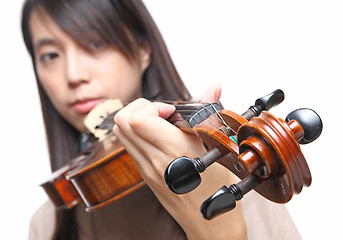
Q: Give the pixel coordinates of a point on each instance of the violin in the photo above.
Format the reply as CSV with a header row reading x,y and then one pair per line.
x,y
259,148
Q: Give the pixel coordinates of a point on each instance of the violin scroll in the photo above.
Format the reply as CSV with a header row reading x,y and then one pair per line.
x,y
272,143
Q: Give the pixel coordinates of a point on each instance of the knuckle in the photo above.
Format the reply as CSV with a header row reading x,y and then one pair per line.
x,y
141,101
135,120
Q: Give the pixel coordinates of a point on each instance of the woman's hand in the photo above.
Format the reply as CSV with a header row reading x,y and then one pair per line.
x,y
153,143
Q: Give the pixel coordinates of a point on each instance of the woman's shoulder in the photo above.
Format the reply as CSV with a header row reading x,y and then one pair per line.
x,y
42,222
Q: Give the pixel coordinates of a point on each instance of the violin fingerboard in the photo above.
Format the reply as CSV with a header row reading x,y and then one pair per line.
x,y
190,115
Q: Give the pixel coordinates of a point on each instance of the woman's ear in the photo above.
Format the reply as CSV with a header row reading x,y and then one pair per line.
x,y
145,55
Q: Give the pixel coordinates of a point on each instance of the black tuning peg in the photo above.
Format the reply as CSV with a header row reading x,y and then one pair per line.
x,y
220,202
271,100
224,199
310,122
264,103
182,174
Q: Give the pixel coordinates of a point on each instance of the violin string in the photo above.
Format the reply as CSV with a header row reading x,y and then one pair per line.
x,y
208,120
220,118
225,123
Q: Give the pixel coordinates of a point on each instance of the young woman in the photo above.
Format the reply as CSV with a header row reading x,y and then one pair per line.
x,y
84,52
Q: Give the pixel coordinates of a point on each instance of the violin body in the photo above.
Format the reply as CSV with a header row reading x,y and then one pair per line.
x,y
60,190
110,175
101,174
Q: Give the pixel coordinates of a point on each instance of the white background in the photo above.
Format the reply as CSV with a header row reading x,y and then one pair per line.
x,y
251,47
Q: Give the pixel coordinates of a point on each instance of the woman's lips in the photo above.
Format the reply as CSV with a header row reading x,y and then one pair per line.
x,y
85,106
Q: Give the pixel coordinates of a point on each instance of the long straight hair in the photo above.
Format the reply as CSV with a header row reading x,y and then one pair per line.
x,y
126,25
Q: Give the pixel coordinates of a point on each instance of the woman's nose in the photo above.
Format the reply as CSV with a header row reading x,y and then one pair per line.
x,y
77,69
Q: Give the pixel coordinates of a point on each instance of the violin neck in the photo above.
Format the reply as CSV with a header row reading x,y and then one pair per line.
x,y
187,114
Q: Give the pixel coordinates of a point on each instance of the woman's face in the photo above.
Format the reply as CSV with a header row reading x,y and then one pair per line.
x,y
76,78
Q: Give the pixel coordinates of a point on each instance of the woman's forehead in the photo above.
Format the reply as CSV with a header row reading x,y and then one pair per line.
x,y
68,22
44,30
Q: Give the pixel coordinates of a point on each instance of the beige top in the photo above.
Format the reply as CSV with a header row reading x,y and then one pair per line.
x,y
140,214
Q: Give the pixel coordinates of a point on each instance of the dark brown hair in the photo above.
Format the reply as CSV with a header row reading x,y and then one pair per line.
x,y
126,24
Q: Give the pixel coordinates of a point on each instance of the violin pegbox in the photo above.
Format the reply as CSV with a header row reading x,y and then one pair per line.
x,y
217,128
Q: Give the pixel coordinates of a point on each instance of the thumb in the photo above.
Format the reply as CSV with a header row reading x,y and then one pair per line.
x,y
212,94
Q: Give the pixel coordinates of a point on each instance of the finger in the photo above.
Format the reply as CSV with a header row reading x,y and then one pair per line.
x,y
135,149
131,142
164,110
121,118
138,145
168,138
136,112
212,94
122,128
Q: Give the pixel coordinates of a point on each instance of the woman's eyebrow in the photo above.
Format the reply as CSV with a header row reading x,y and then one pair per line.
x,y
43,42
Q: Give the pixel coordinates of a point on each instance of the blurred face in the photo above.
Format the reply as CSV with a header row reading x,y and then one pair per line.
x,y
76,78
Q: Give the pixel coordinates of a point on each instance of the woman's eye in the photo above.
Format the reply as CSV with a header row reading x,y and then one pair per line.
x,y
46,58
96,45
